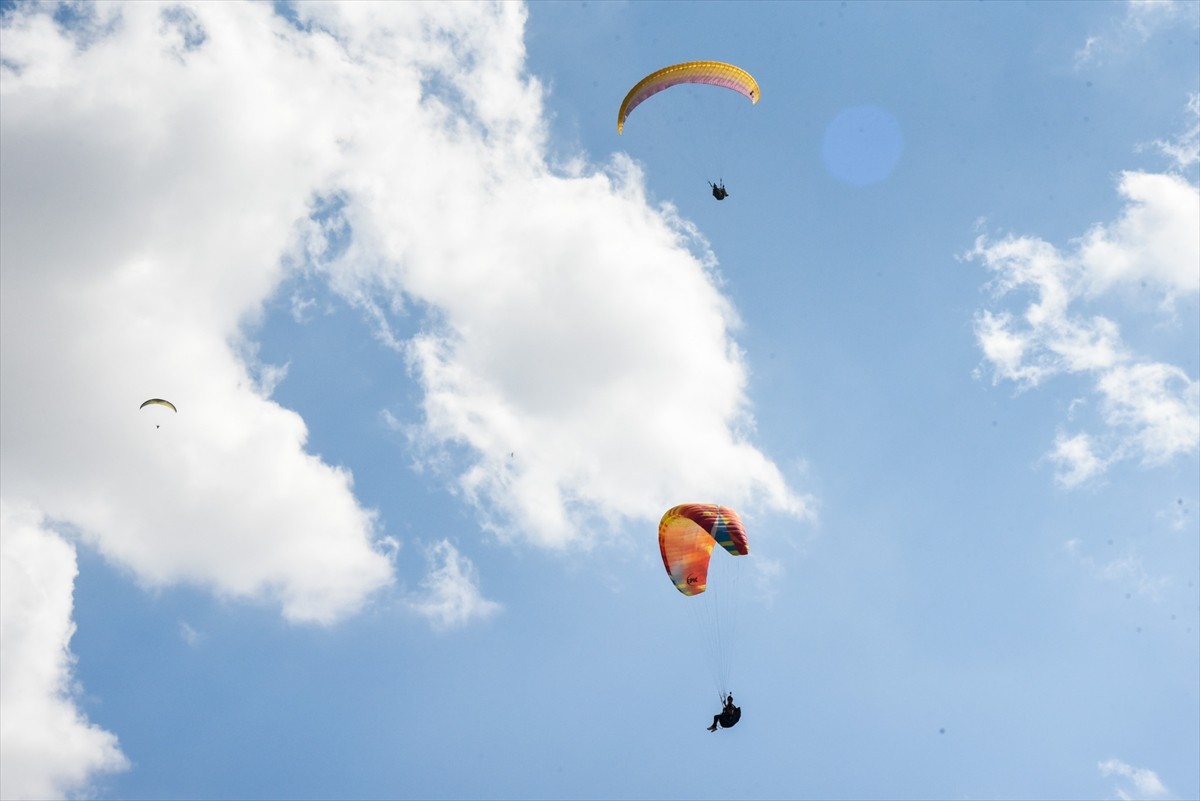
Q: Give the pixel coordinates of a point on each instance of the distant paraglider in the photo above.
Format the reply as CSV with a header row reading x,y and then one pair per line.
x,y
719,190
159,402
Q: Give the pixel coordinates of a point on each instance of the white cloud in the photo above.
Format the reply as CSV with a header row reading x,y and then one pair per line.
x,y
301,307
450,595
189,634
1133,28
592,374
576,347
1184,149
1156,239
1151,409
1087,54
152,180
1076,459
1136,783
1157,405
1144,17
48,747
1127,570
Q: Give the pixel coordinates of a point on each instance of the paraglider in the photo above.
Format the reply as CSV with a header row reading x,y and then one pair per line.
x,y
687,535
711,73
159,402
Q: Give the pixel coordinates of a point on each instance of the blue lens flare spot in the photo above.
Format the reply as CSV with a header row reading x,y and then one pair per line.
x,y
862,145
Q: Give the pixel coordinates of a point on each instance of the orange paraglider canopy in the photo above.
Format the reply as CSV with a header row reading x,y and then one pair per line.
x,y
686,536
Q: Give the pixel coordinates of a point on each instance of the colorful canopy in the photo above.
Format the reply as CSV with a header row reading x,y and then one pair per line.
x,y
686,536
713,73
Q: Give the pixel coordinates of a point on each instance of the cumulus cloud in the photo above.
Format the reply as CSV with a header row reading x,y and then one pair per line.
x,y
153,175
1154,240
1158,406
450,594
577,358
1150,408
48,747
1134,783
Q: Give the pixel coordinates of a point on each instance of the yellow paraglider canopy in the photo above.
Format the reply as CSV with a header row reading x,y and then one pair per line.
x,y
159,402
713,73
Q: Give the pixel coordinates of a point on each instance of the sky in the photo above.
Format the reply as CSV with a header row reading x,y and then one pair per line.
x,y
444,347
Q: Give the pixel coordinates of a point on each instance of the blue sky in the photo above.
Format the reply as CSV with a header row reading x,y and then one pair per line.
x,y
445,347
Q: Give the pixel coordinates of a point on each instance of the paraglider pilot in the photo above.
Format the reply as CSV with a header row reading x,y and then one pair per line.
x,y
729,716
719,190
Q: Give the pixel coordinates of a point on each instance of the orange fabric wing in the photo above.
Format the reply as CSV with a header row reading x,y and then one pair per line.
x,y
686,536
